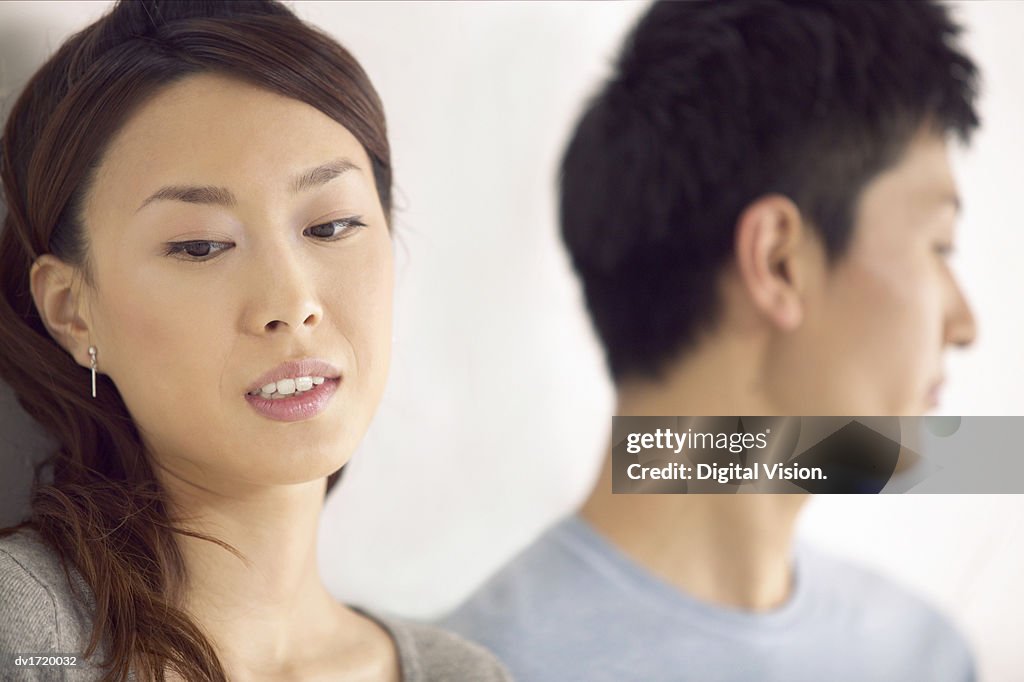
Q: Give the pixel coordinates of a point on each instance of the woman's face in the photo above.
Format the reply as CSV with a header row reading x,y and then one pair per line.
x,y
232,230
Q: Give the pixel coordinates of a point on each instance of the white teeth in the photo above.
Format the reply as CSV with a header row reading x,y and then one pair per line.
x,y
286,387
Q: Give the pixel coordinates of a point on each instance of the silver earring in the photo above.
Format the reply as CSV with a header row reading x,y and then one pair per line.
x,y
92,366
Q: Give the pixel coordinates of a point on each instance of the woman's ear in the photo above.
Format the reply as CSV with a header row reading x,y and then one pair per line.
x,y
770,236
57,293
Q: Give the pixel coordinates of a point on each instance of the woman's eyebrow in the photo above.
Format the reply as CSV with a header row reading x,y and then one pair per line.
x,y
191,194
322,174
221,196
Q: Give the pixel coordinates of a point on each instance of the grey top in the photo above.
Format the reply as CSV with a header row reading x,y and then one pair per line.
x,y
574,608
45,614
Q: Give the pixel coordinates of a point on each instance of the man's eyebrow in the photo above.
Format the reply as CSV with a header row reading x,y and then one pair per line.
x,y
220,196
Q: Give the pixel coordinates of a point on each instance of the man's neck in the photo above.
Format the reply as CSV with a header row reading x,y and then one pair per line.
x,y
730,550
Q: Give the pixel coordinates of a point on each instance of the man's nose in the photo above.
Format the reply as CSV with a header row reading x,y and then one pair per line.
x,y
961,326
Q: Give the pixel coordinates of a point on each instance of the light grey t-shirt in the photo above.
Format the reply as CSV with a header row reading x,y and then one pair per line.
x,y
573,607
41,612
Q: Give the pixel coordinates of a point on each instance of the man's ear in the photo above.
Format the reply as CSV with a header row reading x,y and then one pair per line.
x,y
57,296
770,240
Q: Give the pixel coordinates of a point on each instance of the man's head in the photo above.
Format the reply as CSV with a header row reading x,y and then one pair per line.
x,y
777,170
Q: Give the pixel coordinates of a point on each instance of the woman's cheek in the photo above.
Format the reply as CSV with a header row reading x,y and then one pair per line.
x,y
152,344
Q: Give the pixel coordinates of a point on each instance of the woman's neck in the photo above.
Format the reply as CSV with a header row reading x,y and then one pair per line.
x,y
268,610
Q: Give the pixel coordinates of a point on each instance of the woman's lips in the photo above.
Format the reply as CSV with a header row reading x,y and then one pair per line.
x,y
298,406
306,367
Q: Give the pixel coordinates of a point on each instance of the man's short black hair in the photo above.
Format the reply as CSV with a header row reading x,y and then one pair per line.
x,y
715,104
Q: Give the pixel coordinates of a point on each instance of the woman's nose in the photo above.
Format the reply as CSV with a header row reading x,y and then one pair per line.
x,y
286,297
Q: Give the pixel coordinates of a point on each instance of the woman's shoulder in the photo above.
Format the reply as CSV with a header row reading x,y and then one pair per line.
x,y
430,654
31,575
42,613
25,549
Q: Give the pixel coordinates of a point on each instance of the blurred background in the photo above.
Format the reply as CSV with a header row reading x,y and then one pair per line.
x,y
497,412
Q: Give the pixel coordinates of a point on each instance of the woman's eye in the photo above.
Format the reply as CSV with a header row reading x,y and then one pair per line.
x,y
944,250
199,250
335,229
196,250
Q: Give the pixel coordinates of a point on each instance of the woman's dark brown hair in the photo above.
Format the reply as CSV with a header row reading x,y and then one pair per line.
x,y
97,501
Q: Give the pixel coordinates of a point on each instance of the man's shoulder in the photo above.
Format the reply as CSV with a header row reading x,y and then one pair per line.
x,y
877,605
840,580
552,583
538,568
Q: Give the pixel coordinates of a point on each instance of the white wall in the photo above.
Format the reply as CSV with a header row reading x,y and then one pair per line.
x,y
497,409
